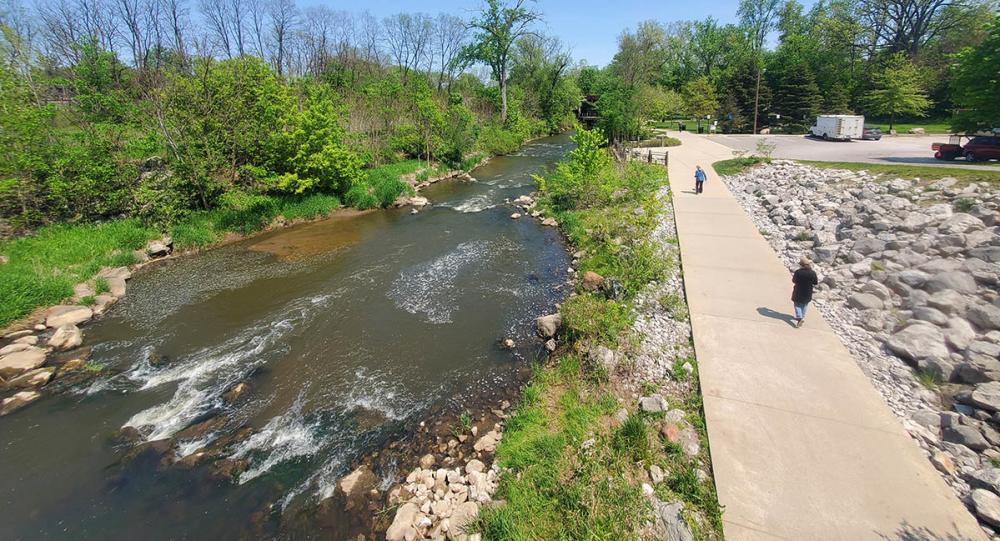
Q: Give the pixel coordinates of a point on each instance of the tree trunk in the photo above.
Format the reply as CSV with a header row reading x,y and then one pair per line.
x,y
503,97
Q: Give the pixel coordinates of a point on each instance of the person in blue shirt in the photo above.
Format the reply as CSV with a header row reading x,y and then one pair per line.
x,y
699,179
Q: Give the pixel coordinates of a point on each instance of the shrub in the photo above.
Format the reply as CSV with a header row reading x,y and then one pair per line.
x,y
245,213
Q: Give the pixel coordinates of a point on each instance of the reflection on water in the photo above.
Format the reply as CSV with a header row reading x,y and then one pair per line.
x,y
345,330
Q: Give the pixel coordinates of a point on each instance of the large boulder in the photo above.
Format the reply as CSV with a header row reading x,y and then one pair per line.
x,y
32,378
987,506
919,340
58,316
66,337
960,223
864,301
952,280
986,253
967,436
461,520
959,334
15,363
115,272
548,325
868,245
986,396
984,316
402,528
988,478
980,363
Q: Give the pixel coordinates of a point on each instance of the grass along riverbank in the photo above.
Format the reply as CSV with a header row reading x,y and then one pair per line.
x,y
43,267
579,458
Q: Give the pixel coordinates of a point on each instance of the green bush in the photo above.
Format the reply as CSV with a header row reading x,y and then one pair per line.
x,y
245,213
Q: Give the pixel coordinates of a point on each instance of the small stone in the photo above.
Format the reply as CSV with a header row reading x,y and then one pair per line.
x,y
515,216
656,474
427,461
653,404
943,463
475,465
548,325
592,281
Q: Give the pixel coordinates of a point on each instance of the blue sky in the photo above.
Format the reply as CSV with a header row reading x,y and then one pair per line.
x,y
589,27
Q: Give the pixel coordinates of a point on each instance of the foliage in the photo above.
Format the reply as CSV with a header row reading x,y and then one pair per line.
x,y
699,98
976,85
897,90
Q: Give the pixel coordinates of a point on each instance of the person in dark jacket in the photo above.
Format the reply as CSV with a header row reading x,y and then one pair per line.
x,y
805,280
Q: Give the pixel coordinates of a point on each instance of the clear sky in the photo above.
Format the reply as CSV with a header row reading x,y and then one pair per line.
x,y
589,27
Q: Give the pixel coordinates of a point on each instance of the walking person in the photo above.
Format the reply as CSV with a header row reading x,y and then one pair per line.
x,y
699,179
805,280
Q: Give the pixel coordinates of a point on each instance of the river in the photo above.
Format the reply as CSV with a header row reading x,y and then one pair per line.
x,y
348,331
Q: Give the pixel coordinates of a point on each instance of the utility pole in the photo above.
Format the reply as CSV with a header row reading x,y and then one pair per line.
x,y
756,99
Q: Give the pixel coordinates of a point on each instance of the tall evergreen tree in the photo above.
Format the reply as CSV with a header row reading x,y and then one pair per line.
x,y
797,97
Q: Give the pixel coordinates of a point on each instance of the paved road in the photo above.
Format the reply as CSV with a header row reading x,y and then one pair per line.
x,y
912,150
803,447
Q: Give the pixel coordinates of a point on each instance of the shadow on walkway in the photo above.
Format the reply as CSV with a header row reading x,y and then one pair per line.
x,y
773,314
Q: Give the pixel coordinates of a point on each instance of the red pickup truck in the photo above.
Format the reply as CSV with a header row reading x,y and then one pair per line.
x,y
979,147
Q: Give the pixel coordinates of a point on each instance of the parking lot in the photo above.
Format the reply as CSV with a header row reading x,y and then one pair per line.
x,y
913,150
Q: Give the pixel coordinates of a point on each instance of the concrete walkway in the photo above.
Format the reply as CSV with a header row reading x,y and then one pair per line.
x,y
803,447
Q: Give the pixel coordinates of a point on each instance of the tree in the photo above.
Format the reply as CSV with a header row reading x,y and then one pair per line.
x,y
896,90
797,97
976,85
499,26
758,17
640,56
699,98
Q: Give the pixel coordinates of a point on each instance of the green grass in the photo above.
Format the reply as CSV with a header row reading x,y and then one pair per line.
x,y
736,166
923,172
555,487
45,266
663,141
931,125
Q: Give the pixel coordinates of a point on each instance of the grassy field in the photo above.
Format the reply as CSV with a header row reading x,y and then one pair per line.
x,y
923,172
931,126
570,470
44,267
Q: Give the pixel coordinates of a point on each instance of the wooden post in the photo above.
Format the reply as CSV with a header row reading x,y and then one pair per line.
x,y
649,157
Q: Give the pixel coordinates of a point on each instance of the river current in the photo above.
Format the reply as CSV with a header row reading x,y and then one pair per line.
x,y
347,331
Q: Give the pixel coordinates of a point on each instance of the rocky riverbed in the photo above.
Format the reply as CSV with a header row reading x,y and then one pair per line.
x,y
653,374
909,273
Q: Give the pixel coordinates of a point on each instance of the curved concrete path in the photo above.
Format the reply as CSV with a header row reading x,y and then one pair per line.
x,y
803,447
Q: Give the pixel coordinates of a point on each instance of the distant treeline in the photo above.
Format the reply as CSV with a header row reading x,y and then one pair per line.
x,y
887,59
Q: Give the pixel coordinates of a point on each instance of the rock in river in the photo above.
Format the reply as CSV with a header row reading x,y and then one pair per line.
x,y
57,316
548,325
18,401
66,337
21,361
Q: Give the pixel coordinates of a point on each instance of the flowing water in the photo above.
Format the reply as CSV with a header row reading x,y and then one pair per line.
x,y
347,331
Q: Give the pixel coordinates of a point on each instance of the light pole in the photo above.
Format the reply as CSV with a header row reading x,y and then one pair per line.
x,y
756,98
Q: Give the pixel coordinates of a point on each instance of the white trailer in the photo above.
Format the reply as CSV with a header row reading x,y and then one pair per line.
x,y
838,127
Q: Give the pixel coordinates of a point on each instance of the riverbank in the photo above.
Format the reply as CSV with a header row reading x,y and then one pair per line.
x,y
86,268
607,438
42,269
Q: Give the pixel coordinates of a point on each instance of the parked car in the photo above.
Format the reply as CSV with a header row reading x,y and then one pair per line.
x,y
982,147
871,134
978,148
